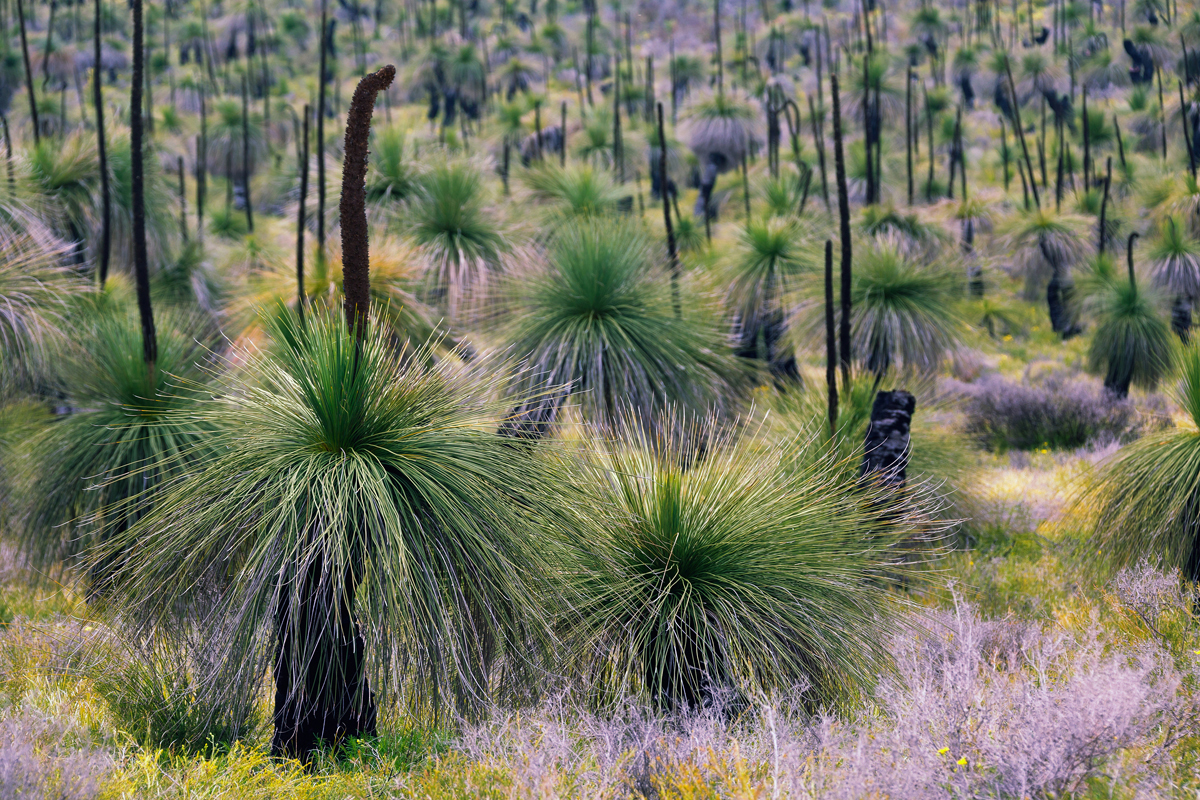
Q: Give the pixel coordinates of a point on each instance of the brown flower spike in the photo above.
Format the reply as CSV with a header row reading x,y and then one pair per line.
x,y
356,276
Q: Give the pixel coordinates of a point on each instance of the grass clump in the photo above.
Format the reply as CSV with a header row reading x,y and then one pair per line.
x,y
729,577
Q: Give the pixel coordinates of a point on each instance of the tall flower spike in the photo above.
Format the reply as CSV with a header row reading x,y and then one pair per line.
x,y
356,275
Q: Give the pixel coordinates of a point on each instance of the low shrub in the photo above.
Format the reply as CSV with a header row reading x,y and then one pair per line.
x,y
42,756
1060,412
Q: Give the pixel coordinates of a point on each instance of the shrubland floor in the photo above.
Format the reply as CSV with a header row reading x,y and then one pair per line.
x,y
1025,672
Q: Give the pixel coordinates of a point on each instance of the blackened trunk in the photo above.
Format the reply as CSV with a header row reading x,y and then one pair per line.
x,y
908,133
708,182
1120,141
246,152
819,143
830,342
202,164
300,221
666,204
929,121
102,153
1117,379
1181,317
1057,294
954,154
1016,106
183,233
141,267
717,35
844,229
1102,234
867,142
29,72
321,138
887,446
1087,144
322,695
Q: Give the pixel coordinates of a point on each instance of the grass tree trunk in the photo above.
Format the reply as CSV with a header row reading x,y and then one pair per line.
x,y
321,136
102,153
183,231
1120,142
1087,144
300,298
929,121
29,72
819,143
1016,107
867,129
246,152
666,204
886,449
716,34
321,691
141,266
830,342
1101,233
1181,317
1056,301
1119,374
844,229
908,133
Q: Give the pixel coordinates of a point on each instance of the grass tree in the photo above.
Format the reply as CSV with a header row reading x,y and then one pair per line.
x,y
762,274
1044,246
1132,343
459,238
358,498
1175,267
902,311
35,289
64,181
393,176
94,473
717,581
940,460
785,195
577,190
157,221
1145,498
720,131
596,322
909,232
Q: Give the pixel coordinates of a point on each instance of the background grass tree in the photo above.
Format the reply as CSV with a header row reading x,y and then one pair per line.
x,y
1175,268
1132,343
763,275
128,435
903,313
460,239
596,322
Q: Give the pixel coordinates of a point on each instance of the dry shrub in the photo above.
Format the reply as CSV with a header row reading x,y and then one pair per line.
x,y
43,756
978,708
1059,412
